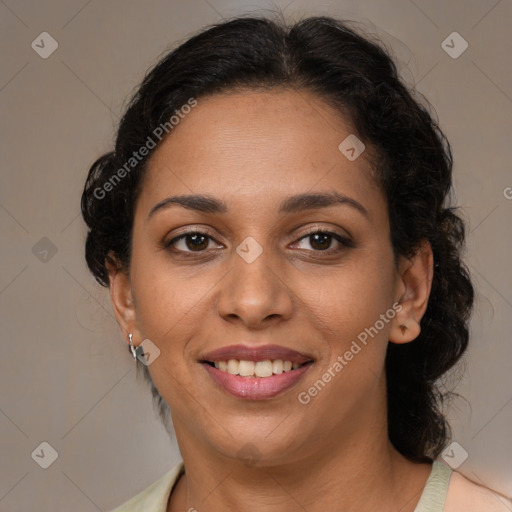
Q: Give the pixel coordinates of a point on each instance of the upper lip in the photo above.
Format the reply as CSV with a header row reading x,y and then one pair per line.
x,y
256,353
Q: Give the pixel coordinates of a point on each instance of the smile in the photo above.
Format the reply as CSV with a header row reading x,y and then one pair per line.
x,y
255,372
261,369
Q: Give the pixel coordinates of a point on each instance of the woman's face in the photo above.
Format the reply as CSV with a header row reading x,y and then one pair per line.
x,y
255,277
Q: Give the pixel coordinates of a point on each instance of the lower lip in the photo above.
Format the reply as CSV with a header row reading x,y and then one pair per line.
x,y
256,388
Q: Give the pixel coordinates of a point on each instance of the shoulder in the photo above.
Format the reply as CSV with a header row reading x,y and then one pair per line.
x,y
464,495
155,497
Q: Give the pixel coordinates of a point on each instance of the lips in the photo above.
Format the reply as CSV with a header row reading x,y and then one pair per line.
x,y
262,353
252,387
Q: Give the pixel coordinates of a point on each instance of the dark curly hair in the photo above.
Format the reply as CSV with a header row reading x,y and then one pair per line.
x,y
410,158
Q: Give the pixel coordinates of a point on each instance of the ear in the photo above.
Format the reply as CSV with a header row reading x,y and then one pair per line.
x,y
122,297
413,285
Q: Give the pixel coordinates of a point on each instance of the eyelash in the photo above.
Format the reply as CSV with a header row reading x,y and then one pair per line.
x,y
345,242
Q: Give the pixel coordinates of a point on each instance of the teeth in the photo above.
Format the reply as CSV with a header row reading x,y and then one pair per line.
x,y
233,366
277,366
265,368
246,368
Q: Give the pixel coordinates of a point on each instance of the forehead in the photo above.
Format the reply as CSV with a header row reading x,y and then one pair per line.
x,y
249,142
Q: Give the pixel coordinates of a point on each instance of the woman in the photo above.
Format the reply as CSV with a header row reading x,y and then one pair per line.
x,y
274,230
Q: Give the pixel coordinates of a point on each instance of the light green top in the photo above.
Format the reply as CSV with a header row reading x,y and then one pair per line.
x,y
434,493
156,496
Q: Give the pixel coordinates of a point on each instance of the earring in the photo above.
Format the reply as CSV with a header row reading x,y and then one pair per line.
x,y
403,328
136,351
132,348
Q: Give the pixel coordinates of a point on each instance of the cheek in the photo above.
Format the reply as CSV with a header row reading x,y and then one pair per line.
x,y
164,299
167,310
355,298
356,340
348,317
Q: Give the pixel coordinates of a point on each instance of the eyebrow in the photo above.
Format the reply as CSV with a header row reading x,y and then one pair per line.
x,y
296,203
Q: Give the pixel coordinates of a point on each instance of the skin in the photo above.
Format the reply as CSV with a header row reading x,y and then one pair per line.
x,y
252,150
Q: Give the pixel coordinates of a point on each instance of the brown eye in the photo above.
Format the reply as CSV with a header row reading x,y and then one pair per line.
x,y
196,242
193,241
323,241
320,241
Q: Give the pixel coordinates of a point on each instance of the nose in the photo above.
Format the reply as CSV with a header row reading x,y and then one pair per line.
x,y
254,294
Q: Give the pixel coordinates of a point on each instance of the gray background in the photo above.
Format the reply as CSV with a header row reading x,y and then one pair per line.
x,y
65,373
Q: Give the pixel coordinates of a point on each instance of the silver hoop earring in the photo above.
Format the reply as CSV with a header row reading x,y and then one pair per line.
x,y
132,348
136,351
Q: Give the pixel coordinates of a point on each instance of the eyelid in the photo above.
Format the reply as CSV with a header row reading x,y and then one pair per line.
x,y
189,230
344,238
323,229
341,239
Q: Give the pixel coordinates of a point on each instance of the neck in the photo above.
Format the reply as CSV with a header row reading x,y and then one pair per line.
x,y
363,474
